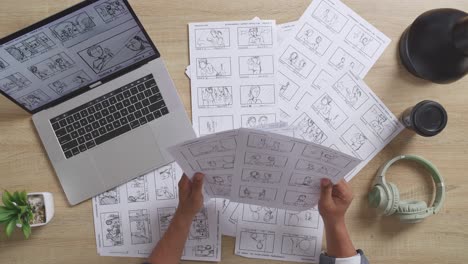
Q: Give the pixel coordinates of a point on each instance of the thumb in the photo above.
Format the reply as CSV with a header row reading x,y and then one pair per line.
x,y
326,188
197,183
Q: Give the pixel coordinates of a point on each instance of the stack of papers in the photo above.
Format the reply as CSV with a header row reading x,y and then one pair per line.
x,y
306,74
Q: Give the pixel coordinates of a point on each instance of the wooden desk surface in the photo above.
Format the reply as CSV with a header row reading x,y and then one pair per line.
x,y
443,238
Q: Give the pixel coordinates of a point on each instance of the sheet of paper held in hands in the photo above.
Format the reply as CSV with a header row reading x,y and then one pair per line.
x,y
320,95
262,168
129,220
233,74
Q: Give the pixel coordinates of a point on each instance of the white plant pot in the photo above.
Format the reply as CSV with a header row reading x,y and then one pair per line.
x,y
48,200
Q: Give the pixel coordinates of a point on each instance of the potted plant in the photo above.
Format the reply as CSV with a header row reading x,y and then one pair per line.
x,y
25,211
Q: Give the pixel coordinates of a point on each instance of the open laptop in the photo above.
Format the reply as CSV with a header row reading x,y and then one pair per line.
x,y
102,100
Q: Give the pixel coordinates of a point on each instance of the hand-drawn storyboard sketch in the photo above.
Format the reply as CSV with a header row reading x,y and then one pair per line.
x,y
3,64
212,38
298,245
31,47
257,36
307,219
297,62
165,216
165,179
305,180
51,66
115,51
199,229
287,87
322,81
257,240
260,141
315,41
204,250
327,156
305,128
220,185
329,17
14,83
316,168
214,67
265,160
111,10
111,224
259,214
257,95
137,190
216,163
379,122
213,147
34,99
342,60
299,199
350,91
330,111
140,226
256,65
215,97
252,121
261,176
257,193
70,83
363,41
73,27
213,124
109,197
359,143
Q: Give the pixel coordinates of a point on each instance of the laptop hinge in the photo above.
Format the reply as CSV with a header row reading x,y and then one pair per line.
x,y
94,85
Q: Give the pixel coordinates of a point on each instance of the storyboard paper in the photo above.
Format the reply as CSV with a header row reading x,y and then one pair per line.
x,y
232,75
130,219
262,168
319,82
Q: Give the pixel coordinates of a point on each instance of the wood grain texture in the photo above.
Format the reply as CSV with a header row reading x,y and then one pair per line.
x,y
69,238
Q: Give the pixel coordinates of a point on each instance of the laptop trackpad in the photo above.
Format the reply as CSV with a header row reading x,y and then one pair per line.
x,y
127,156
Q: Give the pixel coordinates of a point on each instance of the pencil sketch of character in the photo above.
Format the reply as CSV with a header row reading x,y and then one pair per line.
x,y
357,141
378,124
113,234
216,39
137,190
254,93
110,10
3,65
253,194
204,250
199,229
14,83
310,131
255,37
100,55
208,96
79,80
40,74
216,96
206,69
59,86
30,47
138,44
329,17
263,121
295,62
254,65
251,121
284,88
73,27
109,197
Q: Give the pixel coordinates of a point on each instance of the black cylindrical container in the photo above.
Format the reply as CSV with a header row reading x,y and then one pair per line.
x,y
427,118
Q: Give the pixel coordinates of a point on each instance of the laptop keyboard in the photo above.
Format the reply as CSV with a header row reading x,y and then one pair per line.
x,y
109,116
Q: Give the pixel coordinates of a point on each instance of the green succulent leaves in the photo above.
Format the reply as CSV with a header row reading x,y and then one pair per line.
x,y
16,210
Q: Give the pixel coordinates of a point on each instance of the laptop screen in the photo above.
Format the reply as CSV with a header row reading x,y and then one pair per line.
x,y
71,51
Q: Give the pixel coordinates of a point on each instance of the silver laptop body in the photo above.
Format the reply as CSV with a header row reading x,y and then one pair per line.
x,y
102,100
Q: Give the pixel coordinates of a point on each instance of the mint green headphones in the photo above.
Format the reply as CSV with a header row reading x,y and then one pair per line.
x,y
385,196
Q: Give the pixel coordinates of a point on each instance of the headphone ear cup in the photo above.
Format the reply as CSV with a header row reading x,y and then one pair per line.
x,y
378,198
411,207
395,199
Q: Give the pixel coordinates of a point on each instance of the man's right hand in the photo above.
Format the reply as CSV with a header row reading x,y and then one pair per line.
x,y
334,201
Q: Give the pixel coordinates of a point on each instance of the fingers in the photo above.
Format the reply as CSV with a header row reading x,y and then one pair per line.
x,y
326,188
197,183
184,187
342,190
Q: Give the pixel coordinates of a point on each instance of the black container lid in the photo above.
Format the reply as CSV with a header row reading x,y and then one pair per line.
x,y
429,118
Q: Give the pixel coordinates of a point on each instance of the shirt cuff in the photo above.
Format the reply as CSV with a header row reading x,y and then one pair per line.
x,y
358,259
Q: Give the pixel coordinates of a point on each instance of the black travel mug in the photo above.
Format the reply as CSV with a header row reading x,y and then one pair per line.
x,y
427,118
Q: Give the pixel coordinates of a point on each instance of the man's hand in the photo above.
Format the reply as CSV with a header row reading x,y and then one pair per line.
x,y
190,195
334,201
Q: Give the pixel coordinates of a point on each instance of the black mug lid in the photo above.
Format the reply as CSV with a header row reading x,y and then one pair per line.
x,y
429,118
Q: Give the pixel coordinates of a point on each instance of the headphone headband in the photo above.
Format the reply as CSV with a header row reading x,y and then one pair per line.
x,y
436,176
